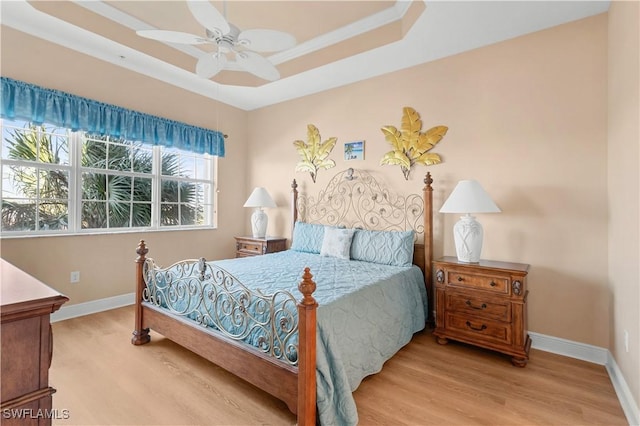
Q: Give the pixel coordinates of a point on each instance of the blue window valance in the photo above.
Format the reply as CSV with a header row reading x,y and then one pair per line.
x,y
39,105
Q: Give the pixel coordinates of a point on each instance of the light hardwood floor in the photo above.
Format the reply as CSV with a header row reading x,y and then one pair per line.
x,y
104,380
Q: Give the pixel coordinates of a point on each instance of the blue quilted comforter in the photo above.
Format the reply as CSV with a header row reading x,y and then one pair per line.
x,y
366,313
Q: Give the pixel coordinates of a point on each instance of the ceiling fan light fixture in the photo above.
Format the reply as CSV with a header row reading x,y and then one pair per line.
x,y
213,35
227,37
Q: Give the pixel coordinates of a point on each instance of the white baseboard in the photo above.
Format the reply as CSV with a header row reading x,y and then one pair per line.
x,y
556,345
92,307
625,397
596,355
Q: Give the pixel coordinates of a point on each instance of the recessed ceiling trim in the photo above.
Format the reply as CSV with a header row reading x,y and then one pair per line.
x,y
444,28
20,15
107,11
391,14
362,26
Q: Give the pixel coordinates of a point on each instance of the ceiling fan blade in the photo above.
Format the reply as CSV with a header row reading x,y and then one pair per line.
x,y
208,16
266,40
257,65
172,36
210,64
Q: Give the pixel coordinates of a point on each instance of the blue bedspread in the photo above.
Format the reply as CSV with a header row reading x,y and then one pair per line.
x,y
366,313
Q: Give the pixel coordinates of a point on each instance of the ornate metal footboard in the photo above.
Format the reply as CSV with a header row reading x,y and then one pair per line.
x,y
214,298
267,340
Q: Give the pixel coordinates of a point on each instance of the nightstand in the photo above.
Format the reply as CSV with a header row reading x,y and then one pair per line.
x,y
483,304
249,246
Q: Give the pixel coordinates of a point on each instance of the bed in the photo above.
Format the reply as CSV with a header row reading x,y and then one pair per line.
x,y
356,303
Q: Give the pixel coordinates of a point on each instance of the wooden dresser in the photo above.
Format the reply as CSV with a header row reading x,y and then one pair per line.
x,y
483,304
26,346
250,246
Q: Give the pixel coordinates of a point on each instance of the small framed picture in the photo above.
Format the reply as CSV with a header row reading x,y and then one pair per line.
x,y
354,150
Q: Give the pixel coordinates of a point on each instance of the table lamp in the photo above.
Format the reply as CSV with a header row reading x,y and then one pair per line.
x,y
468,197
259,199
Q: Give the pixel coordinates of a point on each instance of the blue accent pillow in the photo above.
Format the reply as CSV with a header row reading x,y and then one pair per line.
x,y
307,237
385,247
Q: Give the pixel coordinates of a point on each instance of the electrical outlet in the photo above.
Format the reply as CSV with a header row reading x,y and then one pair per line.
x,y
626,340
75,277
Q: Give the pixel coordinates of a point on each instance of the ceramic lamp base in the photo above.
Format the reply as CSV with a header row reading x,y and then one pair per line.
x,y
467,234
259,222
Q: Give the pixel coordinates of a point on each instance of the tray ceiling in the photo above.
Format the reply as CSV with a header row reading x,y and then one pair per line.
x,y
338,42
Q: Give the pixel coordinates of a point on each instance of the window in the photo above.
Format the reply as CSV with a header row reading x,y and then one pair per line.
x,y
58,181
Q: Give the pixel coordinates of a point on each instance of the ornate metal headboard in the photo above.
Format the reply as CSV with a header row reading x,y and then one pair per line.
x,y
355,199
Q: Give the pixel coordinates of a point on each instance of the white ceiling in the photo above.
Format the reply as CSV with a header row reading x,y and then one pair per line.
x,y
443,28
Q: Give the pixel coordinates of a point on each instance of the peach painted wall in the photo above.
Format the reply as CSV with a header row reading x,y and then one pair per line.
x,y
526,117
624,188
105,262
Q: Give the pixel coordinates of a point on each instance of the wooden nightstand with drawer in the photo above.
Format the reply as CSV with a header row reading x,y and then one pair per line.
x,y
483,304
250,246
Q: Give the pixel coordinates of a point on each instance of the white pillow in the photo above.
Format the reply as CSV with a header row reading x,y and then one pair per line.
x,y
336,242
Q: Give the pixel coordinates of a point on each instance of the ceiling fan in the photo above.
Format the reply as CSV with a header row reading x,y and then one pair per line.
x,y
241,45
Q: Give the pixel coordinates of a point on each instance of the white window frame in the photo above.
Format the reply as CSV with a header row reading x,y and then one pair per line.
x,y
75,191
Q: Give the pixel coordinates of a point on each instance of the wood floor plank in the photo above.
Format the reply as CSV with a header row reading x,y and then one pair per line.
x,y
104,380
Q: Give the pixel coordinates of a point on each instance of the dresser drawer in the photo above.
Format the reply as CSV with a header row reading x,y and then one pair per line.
x,y
249,247
479,328
493,283
475,304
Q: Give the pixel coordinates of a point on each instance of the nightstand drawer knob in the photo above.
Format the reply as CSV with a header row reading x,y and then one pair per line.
x,y
476,328
483,306
460,279
493,284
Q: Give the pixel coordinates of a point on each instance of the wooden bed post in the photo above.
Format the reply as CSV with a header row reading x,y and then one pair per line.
x,y
427,193
140,335
307,351
294,206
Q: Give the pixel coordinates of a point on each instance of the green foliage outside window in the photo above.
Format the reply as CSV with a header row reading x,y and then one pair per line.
x,y
110,197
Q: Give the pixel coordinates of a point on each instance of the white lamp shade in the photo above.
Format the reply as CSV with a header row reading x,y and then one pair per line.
x,y
469,197
260,198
